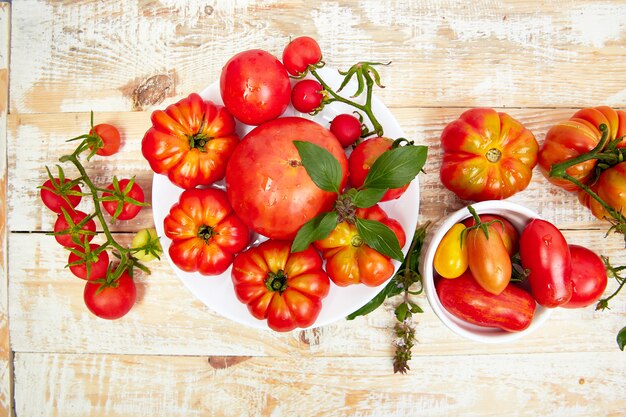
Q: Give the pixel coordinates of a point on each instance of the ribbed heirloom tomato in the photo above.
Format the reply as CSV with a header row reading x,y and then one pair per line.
x,y
283,287
267,184
487,155
190,142
205,232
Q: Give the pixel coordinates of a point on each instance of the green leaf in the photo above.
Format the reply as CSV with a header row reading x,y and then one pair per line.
x,y
367,198
401,312
380,238
321,165
621,338
390,290
315,229
396,167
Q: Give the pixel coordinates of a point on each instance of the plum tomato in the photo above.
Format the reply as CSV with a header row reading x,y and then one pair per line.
x,y
363,157
267,184
451,258
56,196
110,138
508,232
74,234
132,194
346,128
307,96
111,300
489,260
90,266
545,254
300,53
255,87
589,278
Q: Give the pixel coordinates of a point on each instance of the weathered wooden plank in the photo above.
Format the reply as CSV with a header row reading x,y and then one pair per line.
x,y
134,55
572,385
48,315
45,135
6,356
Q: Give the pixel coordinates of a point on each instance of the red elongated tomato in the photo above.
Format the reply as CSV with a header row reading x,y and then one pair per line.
x,y
545,253
589,277
512,310
267,185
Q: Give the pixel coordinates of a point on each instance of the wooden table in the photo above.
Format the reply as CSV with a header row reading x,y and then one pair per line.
x,y
171,355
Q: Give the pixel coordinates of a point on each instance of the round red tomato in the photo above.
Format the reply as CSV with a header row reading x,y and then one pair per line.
x,y
111,300
306,96
255,87
589,277
129,193
67,235
346,128
110,138
300,53
98,264
362,159
56,196
266,183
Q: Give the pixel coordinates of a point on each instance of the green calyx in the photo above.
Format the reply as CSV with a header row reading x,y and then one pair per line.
x,y
276,281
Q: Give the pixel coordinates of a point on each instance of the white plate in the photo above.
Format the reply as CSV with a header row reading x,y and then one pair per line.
x,y
217,292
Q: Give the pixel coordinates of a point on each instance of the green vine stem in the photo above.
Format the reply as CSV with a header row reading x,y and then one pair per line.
x,y
366,76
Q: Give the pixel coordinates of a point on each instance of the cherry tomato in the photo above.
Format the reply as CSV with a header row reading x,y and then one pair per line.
x,y
307,96
52,196
300,53
98,264
589,277
512,310
73,237
255,87
149,241
129,209
283,287
508,232
363,157
545,253
489,260
451,255
110,137
111,301
346,128
266,183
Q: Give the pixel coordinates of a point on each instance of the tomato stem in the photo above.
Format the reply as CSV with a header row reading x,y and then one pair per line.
x,y
205,233
276,281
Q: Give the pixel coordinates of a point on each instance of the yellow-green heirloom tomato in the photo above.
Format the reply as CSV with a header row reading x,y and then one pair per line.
x,y
451,256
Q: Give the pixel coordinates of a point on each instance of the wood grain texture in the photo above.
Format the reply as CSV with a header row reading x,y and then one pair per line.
x,y
6,356
123,56
48,315
572,385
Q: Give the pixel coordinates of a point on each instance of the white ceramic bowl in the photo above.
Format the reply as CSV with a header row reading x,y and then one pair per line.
x,y
519,216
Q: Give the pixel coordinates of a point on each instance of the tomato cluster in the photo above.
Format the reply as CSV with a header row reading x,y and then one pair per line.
x,y
74,229
268,190
490,274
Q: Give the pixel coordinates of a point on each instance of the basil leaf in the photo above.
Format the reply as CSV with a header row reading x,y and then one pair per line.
x,y
621,338
315,229
390,290
380,238
396,167
321,165
369,197
401,312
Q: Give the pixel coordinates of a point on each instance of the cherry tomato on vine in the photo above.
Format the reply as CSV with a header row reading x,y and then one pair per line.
x,y
489,260
255,87
110,137
306,96
73,233
148,241
451,258
346,128
129,208
589,278
508,232
111,300
52,196
300,53
98,264
545,253
363,157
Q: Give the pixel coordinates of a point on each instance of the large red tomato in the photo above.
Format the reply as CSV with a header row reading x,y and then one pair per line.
x,y
255,87
267,185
